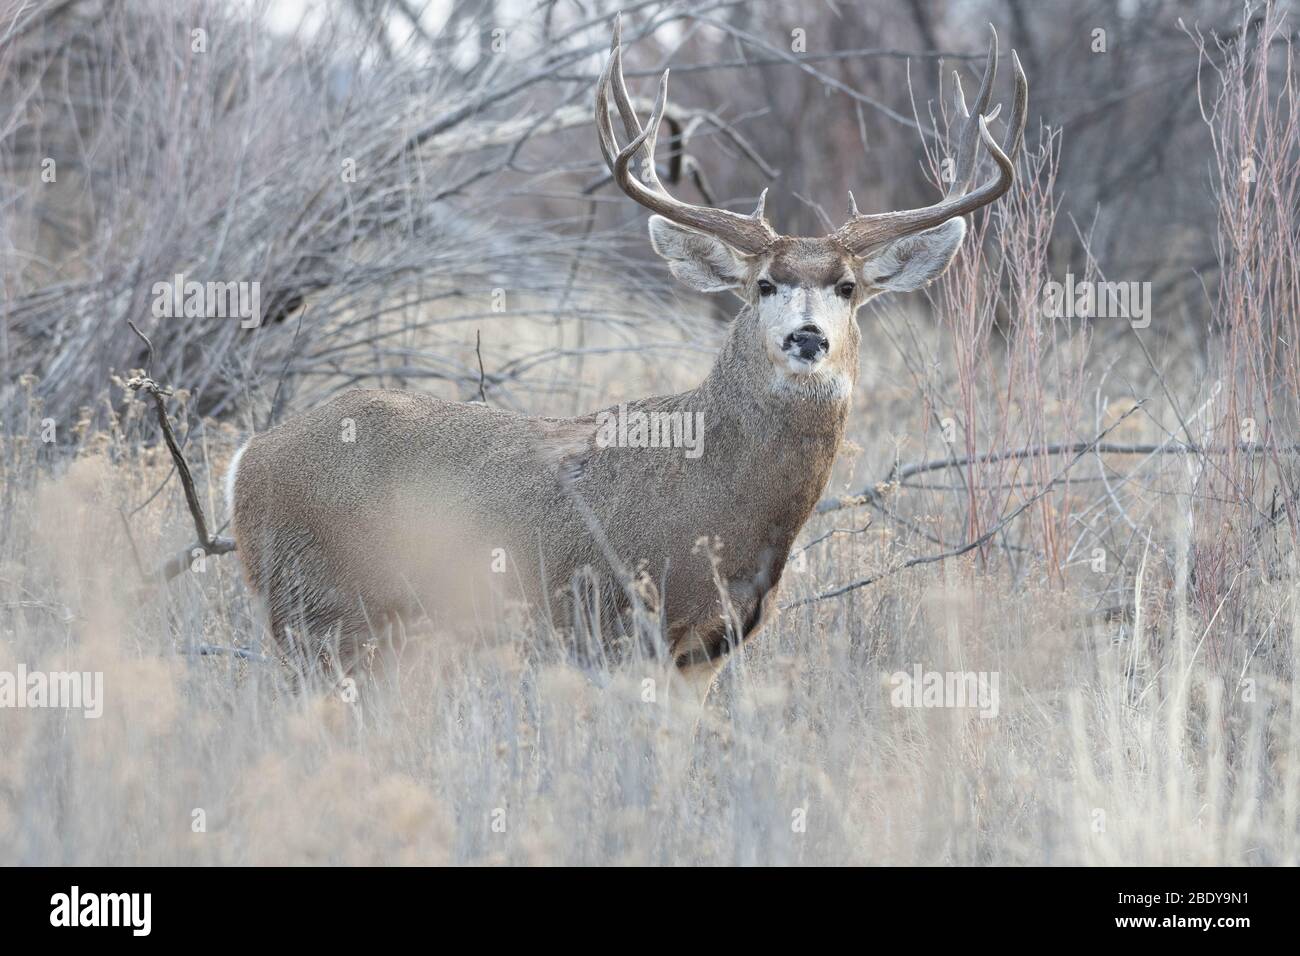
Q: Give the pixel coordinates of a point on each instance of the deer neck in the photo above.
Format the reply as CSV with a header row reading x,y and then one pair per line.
x,y
774,439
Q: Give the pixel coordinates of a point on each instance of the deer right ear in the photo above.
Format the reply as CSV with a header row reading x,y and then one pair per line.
x,y
704,263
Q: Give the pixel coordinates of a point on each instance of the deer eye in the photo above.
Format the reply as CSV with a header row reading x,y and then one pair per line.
x,y
845,290
765,287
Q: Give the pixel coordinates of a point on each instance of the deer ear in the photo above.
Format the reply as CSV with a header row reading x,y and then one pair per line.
x,y
912,262
704,263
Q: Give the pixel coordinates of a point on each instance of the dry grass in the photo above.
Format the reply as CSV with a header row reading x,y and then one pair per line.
x,y
1115,741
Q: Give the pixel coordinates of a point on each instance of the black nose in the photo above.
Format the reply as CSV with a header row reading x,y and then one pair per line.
x,y
808,340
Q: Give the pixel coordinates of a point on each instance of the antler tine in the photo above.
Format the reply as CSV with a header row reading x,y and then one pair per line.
x,y
1019,109
967,142
626,111
861,232
624,158
746,234
604,129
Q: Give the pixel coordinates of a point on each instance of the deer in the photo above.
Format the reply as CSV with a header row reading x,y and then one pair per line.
x,y
346,536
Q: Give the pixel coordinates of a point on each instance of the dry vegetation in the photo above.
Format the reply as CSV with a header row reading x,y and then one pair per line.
x,y
1138,599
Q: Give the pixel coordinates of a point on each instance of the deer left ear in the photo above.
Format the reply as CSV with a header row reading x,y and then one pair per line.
x,y
912,262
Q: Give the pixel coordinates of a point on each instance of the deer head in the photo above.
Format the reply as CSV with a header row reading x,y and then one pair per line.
x,y
803,293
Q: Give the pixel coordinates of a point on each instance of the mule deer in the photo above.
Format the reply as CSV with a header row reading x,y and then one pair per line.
x,y
346,536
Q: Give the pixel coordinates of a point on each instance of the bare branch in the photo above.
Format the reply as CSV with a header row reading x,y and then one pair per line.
x,y
977,542
207,543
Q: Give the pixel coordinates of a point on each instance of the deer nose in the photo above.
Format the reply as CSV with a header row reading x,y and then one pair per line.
x,y
808,340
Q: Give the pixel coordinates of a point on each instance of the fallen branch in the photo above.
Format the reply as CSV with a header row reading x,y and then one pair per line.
x,y
1082,450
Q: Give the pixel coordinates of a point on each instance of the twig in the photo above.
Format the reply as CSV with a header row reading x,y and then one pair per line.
x,y
830,534
478,350
859,54
274,413
824,78
207,543
213,650
130,539
982,539
899,475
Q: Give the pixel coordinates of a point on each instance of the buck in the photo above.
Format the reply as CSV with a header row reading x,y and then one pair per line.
x,y
344,537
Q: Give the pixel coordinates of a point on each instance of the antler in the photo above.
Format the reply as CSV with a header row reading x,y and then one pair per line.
x,y
861,233
746,234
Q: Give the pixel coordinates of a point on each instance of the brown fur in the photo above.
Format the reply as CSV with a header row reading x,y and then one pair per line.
x,y
351,536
